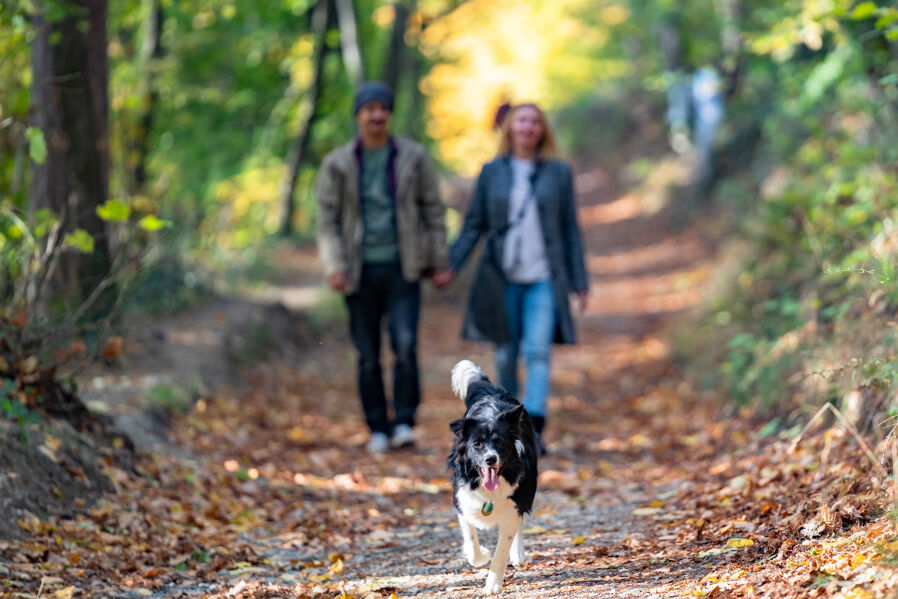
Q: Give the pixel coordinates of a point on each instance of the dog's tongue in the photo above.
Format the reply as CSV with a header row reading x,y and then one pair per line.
x,y
490,479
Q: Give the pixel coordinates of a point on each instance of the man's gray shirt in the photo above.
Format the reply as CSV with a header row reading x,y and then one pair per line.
x,y
379,243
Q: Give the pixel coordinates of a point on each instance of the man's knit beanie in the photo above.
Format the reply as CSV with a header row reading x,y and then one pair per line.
x,y
373,91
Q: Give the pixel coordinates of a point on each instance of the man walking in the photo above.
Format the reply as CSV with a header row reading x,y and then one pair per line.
x,y
381,228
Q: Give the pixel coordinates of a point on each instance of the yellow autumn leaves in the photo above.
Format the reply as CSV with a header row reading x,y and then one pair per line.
x,y
490,52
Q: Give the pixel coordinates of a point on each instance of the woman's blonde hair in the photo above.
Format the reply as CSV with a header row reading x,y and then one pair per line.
x,y
546,147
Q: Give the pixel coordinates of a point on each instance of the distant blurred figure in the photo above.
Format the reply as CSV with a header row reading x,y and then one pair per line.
x,y
381,228
524,205
695,103
707,102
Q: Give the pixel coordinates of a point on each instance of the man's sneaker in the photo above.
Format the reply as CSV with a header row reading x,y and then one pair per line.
x,y
403,435
379,443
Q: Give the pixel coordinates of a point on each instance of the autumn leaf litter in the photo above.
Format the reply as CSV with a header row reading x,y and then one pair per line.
x,y
650,488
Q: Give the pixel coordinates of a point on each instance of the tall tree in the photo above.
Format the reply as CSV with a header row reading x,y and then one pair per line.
x,y
731,61
322,18
349,41
414,121
150,53
396,56
71,108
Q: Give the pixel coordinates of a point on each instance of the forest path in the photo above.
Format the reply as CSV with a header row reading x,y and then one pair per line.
x,y
616,425
616,437
261,487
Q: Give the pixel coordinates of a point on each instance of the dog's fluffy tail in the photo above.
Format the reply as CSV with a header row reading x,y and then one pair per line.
x,y
463,374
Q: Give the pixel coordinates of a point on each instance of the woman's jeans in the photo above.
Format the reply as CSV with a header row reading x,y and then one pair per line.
x,y
530,309
384,292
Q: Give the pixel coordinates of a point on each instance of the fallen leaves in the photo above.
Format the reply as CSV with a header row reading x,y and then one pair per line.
x,y
66,593
279,464
650,509
174,521
112,348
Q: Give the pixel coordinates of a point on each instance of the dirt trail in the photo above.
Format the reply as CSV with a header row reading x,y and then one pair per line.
x,y
606,416
584,540
263,488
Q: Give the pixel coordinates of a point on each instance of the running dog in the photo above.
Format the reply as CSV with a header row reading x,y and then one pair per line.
x,y
493,463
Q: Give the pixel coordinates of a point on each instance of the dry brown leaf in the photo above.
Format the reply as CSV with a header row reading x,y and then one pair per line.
x,y
52,442
65,593
113,348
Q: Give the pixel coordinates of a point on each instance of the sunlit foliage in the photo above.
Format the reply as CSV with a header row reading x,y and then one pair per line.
x,y
820,212
806,150
488,53
15,79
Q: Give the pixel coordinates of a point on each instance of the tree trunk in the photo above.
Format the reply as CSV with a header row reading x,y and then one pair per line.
x,y
730,38
71,107
349,41
394,63
669,41
150,53
322,17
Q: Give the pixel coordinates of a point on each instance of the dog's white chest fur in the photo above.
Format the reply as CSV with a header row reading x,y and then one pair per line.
x,y
504,509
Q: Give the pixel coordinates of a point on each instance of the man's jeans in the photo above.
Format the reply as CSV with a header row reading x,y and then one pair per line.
x,y
530,309
383,292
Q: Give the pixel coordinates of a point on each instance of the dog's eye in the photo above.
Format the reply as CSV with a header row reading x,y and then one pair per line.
x,y
478,445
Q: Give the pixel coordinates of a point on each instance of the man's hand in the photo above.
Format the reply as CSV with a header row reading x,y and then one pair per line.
x,y
443,277
337,281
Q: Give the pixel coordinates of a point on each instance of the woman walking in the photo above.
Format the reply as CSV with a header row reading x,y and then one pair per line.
x,y
524,205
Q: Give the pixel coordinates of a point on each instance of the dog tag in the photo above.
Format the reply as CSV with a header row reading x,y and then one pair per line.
x,y
486,510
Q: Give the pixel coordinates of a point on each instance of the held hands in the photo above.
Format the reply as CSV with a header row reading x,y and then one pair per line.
x,y
337,281
442,277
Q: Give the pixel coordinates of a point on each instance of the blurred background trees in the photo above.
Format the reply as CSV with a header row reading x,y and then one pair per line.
x,y
188,132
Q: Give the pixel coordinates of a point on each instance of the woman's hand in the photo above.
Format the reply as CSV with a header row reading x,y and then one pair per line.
x,y
582,301
443,277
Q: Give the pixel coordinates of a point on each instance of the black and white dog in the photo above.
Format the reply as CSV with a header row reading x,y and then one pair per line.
x,y
493,463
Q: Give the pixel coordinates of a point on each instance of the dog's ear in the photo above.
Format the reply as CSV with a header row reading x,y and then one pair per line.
x,y
457,426
512,416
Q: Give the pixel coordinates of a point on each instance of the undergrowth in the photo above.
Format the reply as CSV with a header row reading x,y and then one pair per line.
x,y
804,312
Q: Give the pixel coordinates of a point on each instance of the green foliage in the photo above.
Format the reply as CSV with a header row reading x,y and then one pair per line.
x,y
802,319
227,90
150,223
16,140
172,399
12,409
810,129
114,210
80,240
37,147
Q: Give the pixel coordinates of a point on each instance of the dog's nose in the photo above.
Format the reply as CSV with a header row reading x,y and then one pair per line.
x,y
491,460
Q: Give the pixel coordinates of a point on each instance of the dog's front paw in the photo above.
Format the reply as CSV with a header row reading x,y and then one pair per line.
x,y
493,584
477,557
517,557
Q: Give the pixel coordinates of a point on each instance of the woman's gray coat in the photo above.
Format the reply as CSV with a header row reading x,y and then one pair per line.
x,y
487,215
